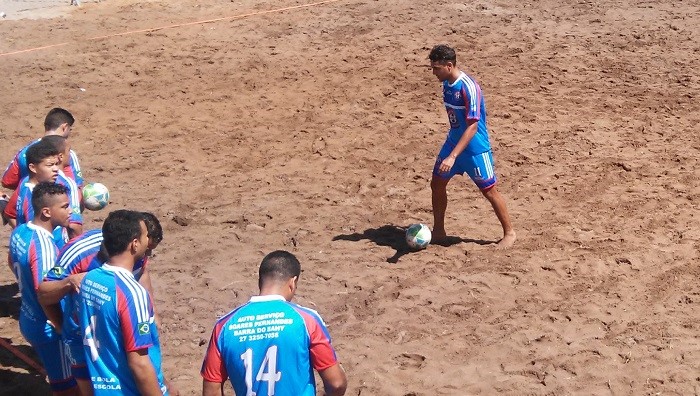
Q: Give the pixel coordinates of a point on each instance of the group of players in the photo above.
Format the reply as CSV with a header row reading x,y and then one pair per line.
x,y
87,307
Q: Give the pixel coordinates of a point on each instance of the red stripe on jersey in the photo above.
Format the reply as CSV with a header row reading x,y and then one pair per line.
x,y
213,367
11,208
320,351
10,179
125,322
34,265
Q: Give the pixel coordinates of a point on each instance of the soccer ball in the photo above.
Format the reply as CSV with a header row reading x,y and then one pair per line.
x,y
95,196
418,236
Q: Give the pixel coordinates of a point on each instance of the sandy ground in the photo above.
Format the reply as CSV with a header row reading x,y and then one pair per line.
x,y
315,129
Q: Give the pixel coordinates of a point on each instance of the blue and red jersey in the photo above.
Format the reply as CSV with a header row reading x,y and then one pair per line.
x,y
464,102
33,254
269,346
24,211
78,256
116,315
19,169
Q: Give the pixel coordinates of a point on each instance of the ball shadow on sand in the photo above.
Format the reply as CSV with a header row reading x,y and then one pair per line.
x,y
394,237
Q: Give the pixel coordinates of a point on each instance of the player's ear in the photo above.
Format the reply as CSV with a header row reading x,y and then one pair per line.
x,y
32,168
45,212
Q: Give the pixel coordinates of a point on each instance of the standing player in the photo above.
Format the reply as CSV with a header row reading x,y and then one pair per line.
x,y
270,346
57,122
467,148
32,254
43,167
43,159
116,315
61,284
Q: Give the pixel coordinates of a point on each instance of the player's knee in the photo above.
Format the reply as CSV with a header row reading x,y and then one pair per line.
x,y
438,184
490,191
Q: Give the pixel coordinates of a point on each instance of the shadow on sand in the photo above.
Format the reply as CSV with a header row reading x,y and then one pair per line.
x,y
395,237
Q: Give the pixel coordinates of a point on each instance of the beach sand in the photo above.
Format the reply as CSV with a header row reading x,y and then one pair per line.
x,y
315,130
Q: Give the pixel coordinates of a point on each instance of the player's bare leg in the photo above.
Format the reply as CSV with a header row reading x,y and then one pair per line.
x,y
438,186
499,206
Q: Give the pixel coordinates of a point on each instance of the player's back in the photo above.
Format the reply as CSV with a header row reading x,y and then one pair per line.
x,y
265,348
116,316
78,256
32,253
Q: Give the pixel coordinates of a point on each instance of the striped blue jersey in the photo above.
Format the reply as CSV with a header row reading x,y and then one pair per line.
x,y
77,257
32,254
464,101
116,315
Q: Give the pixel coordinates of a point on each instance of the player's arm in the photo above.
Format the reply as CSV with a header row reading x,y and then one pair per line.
x,y
212,388
10,179
335,382
462,144
143,372
10,211
52,291
213,371
322,355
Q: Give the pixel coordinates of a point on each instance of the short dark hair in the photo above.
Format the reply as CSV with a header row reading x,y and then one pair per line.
x,y
57,141
155,230
119,229
279,265
57,117
43,193
41,150
443,53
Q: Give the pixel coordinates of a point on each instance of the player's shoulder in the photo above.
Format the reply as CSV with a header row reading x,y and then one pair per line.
x,y
306,312
23,150
85,240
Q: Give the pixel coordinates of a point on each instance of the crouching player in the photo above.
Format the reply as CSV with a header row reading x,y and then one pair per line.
x,y
32,255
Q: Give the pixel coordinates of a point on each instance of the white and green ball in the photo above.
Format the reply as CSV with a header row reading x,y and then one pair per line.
x,y
418,236
95,196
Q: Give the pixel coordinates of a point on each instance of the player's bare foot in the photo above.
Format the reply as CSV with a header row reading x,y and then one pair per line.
x,y
438,236
507,241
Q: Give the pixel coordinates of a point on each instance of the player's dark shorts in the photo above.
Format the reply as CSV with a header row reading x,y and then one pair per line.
x,y
479,167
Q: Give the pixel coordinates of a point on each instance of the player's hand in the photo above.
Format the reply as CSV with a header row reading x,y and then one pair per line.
x,y
447,164
75,280
171,389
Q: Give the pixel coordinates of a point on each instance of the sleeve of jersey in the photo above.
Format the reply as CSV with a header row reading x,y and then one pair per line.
x,y
11,208
75,166
320,349
64,269
74,195
213,367
134,319
42,256
10,179
472,100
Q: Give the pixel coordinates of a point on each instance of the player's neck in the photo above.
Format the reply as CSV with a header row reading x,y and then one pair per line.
x,y
454,76
123,260
43,223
